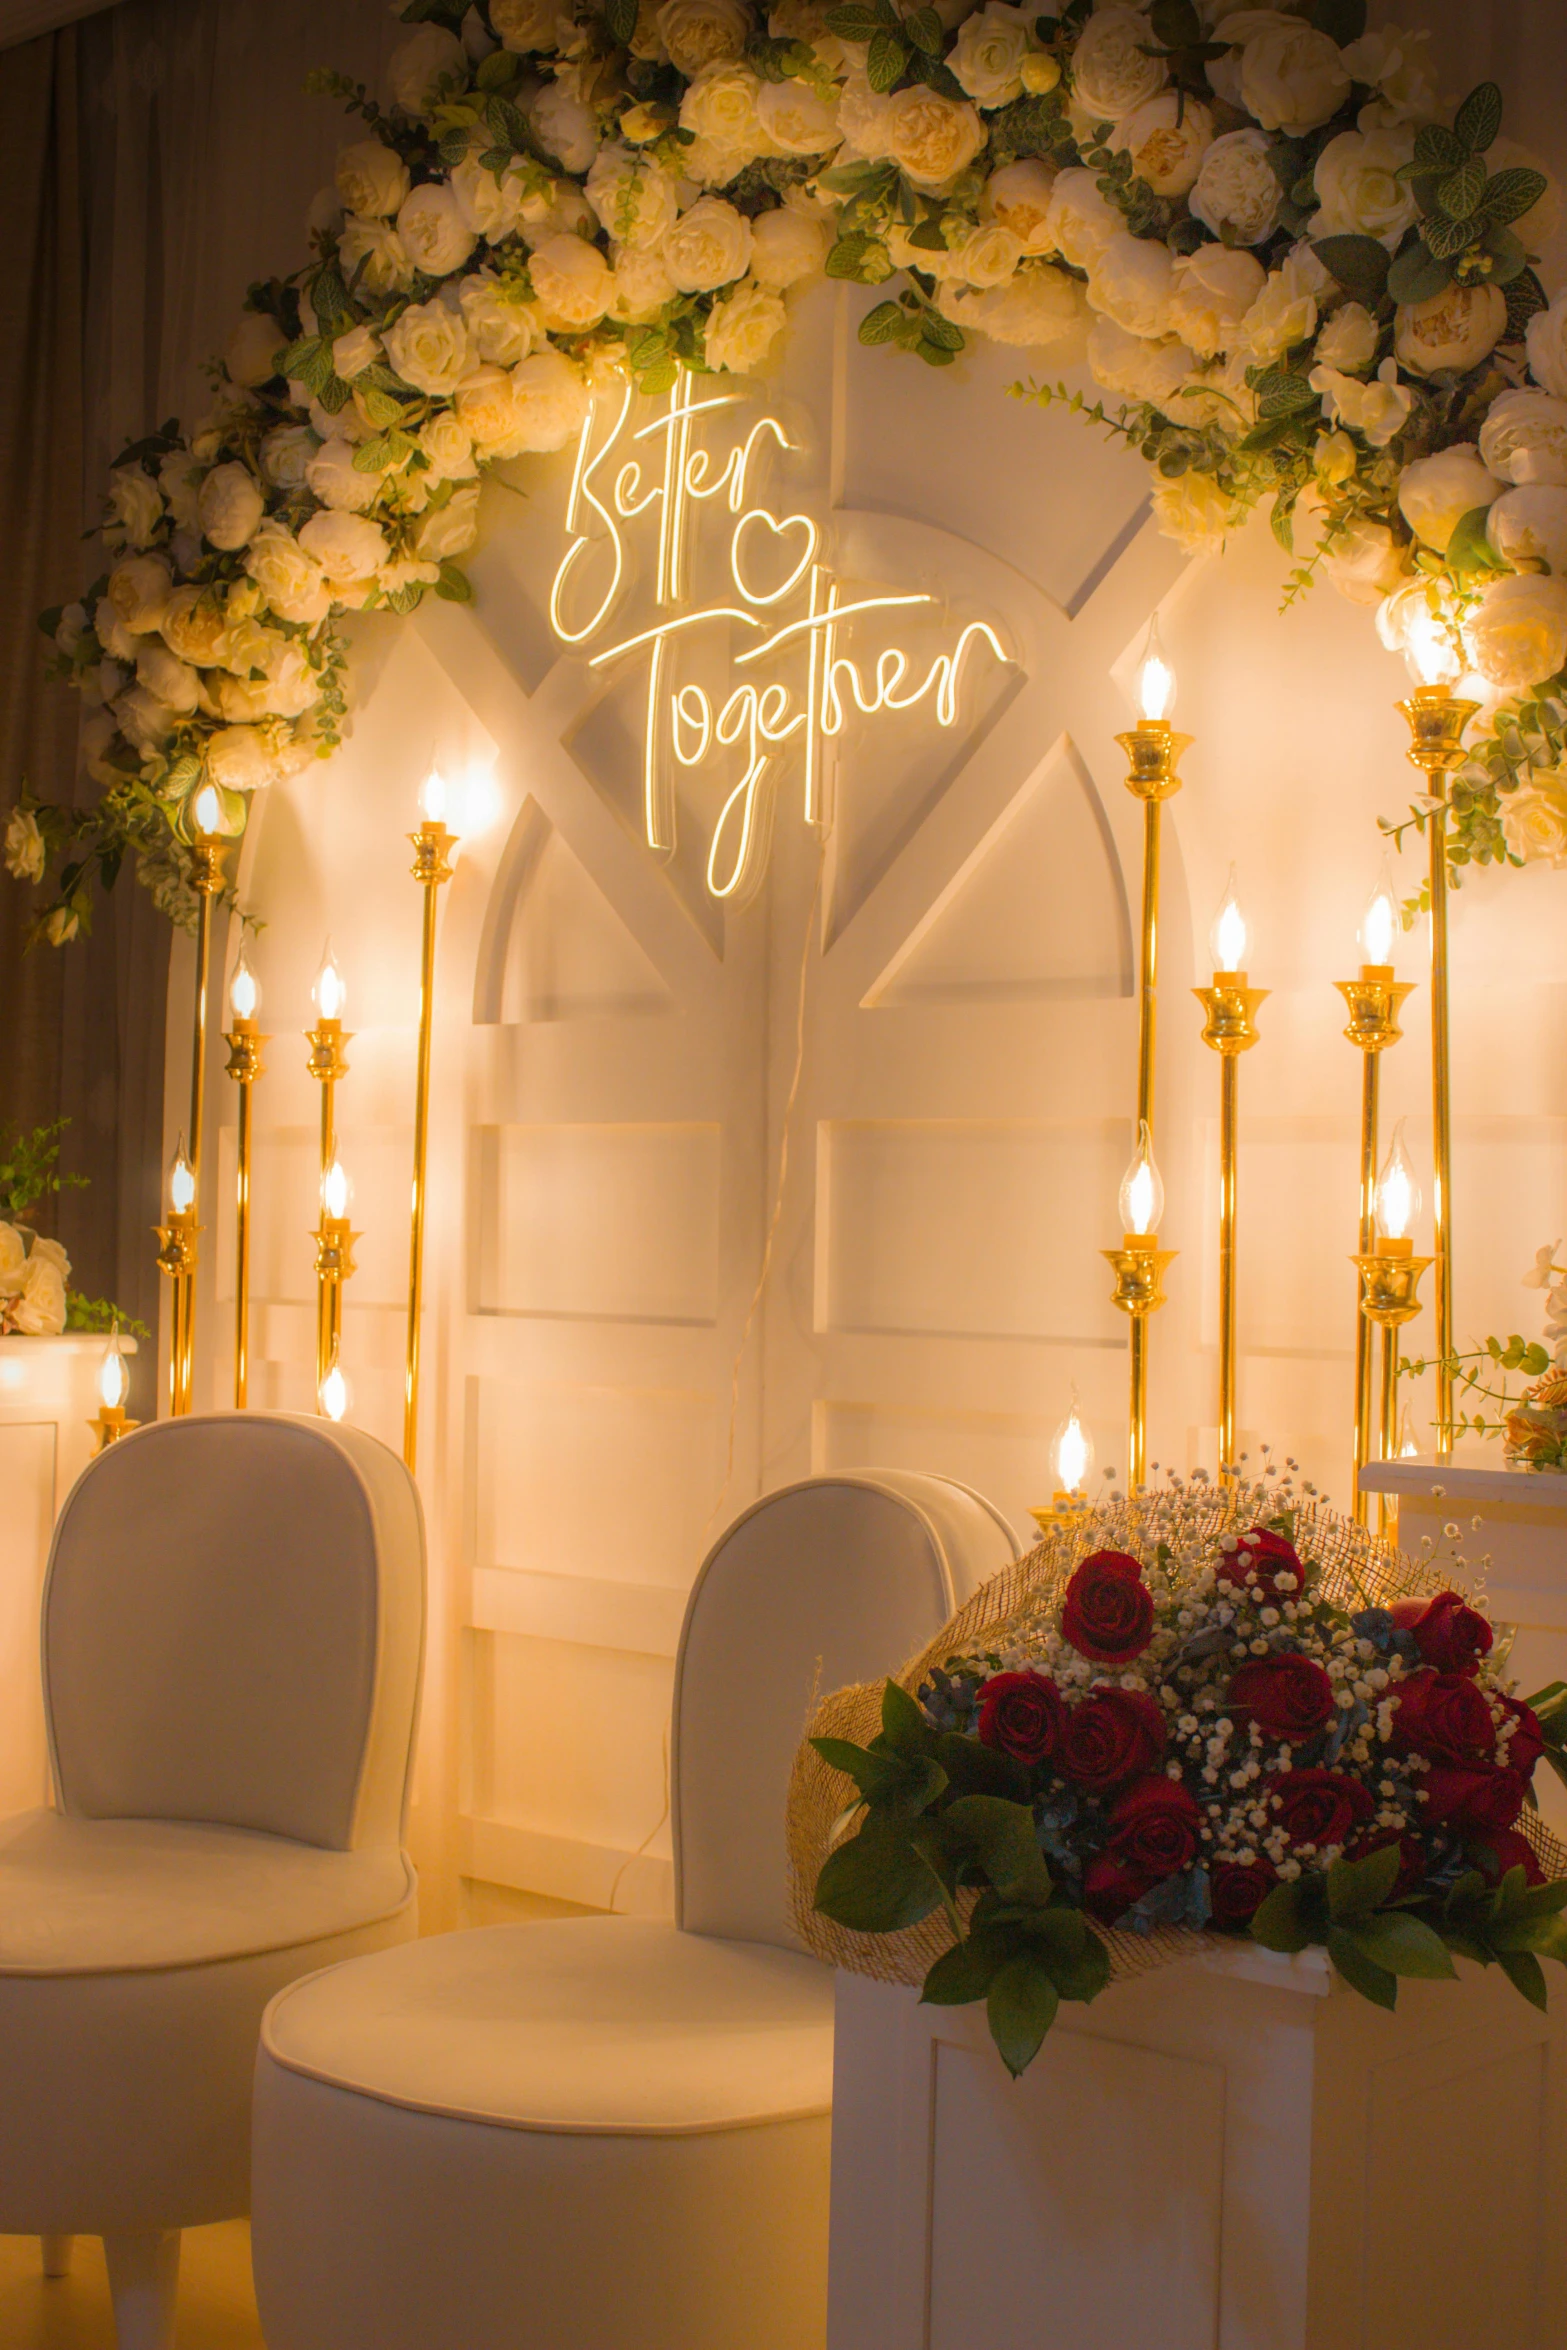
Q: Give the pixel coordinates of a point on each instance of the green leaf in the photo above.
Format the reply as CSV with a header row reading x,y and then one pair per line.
x,y
1445,238
380,408
941,331
1512,193
853,23
1469,549
1362,1974
966,1972
1279,1923
1021,2007
454,586
1403,1945
1358,1887
885,60
1508,255
1280,392
1524,1971
930,237
903,1725
877,1883
621,18
1460,193
1360,264
377,452
1342,20
1478,122
1418,275
894,1782
923,28
1526,298
1546,1936
999,1836
500,69
889,323
973,1769
1437,149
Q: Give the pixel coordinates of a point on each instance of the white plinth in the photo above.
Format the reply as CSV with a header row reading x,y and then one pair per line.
x,y
48,1395
1231,2154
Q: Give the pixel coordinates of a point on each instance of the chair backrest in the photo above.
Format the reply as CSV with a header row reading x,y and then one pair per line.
x,y
835,1580
233,1627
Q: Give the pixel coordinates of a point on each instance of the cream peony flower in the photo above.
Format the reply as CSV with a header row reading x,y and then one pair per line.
x,y
1349,339
430,60
1195,512
551,401
138,592
1292,78
931,138
490,206
1524,439
285,453
1378,411
1395,64
1210,293
486,410
374,256
112,633
448,445
1283,315
251,353
338,482
1082,221
1437,492
144,720
1534,826
786,246
988,54
1111,69
524,25
1018,196
435,235
1362,195
1453,332
1530,526
1365,562
1038,305
230,506
348,547
39,1308
450,529
195,626
643,286
862,116
1138,369
703,32
25,853
1237,192
239,759
1132,282
1516,637
1167,138
1548,347
174,682
567,129
371,178
135,506
708,246
632,195
743,327
797,119
500,331
572,281
719,107
428,346
290,579
13,1260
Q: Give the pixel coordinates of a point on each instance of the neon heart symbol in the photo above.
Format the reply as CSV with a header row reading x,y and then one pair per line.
x,y
777,530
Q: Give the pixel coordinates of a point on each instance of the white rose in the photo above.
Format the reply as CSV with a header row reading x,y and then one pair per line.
x,y
572,281
371,178
174,682
421,66
1237,192
374,256
703,32
633,197
1394,63
1517,635
524,25
1530,526
435,235
1292,78
1349,339
450,529
643,286
1038,305
1378,411
1195,512
448,445
285,452
25,853
931,138
987,256
1534,820
1111,69
1139,370
138,592
1019,195
1437,492
251,353
1524,439
797,118
1364,562
719,107
63,924
289,578
135,505
195,626
1211,291
862,116
348,547
785,246
1362,195
1453,332
238,759
338,482
551,401
39,1309
1548,347
429,348
988,54
1283,315
708,246
144,720
230,506
354,351
491,206
499,329
742,328
566,128
1082,221
1167,138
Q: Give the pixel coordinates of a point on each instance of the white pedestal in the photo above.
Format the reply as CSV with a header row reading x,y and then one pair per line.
x,y
48,1395
1234,2153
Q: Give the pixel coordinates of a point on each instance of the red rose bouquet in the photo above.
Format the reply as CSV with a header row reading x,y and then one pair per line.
x,y
1206,1727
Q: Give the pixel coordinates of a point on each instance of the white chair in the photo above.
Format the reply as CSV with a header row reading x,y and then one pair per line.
x,y
232,1630
605,2133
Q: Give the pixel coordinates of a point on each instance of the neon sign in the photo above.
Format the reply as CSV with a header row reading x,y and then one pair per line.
x,y
664,471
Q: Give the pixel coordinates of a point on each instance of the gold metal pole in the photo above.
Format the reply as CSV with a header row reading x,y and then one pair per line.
x,y
1139,1267
207,853
1230,1030
1137,1432
177,1258
432,846
1374,1000
245,1043
328,1065
334,1239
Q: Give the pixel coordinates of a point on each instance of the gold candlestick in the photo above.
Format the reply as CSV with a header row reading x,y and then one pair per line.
x,y
1229,1030
1374,1001
207,852
1139,1266
245,1042
1072,1460
432,846
328,1042
1153,751
110,1423
177,1258
1389,1286
334,1239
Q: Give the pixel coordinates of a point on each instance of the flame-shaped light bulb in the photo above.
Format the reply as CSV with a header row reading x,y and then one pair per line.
x,y
1142,1192
1408,1449
336,1192
244,989
1155,679
1398,1200
207,810
1430,643
433,797
329,994
1230,936
1072,1452
334,1393
182,1181
114,1378
1380,924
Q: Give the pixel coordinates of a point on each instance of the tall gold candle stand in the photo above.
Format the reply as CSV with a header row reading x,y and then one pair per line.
x,y
1139,1266
1230,1030
245,1041
207,852
177,1258
432,847
328,1042
1374,1000
1389,1284
114,1384
335,1239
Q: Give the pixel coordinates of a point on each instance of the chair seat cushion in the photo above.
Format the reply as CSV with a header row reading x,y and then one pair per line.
x,y
94,1897
597,2025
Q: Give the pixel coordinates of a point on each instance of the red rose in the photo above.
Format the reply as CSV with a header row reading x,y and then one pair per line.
x,y
1449,1633
1286,1696
1023,1714
1319,1807
1238,1893
1110,1736
1477,1803
1108,1613
1110,1888
1444,1717
1269,1564
1153,1827
1527,1742
1505,1849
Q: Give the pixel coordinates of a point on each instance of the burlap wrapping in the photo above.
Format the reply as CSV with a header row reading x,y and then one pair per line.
x,y
1008,1617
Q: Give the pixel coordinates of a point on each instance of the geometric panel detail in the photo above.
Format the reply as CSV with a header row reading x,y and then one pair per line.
x,y
605,1223
559,950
